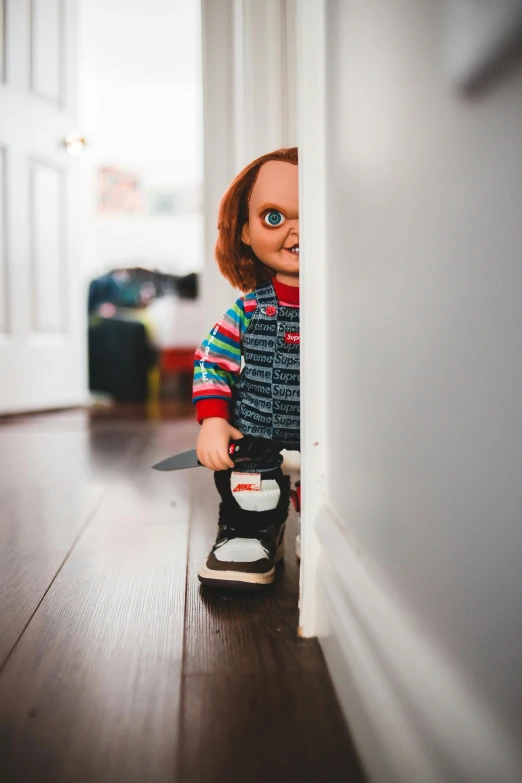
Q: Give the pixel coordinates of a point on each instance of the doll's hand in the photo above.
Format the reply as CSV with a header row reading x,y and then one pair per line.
x,y
213,441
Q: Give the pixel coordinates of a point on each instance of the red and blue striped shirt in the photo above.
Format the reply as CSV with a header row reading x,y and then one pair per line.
x,y
217,363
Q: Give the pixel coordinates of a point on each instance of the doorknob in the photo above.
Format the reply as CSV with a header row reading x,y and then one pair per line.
x,y
74,142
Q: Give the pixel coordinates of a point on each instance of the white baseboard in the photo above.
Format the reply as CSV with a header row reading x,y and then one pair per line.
x,y
412,714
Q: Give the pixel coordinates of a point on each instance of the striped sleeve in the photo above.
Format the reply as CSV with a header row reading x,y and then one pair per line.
x,y
217,363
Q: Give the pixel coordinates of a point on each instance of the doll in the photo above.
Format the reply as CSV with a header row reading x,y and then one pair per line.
x,y
246,377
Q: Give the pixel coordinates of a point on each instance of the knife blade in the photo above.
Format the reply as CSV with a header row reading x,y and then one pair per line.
x,y
187,459
247,449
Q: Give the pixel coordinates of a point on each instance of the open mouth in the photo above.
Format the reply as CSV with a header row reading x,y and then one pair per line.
x,y
294,249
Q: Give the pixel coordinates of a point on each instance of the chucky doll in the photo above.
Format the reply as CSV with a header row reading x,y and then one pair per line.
x,y
246,379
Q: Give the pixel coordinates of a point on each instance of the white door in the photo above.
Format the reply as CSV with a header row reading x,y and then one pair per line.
x,y
42,308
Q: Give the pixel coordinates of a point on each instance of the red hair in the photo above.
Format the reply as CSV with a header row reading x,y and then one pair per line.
x,y
237,261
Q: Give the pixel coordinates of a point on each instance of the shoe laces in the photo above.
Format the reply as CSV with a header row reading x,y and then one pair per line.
x,y
230,530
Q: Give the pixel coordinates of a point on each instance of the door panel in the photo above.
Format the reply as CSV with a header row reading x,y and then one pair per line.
x,y
46,46
47,240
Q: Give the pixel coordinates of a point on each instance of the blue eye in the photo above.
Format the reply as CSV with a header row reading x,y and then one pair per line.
x,y
274,218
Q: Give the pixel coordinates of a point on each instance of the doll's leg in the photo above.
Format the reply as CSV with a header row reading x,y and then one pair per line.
x,y
295,494
292,465
252,516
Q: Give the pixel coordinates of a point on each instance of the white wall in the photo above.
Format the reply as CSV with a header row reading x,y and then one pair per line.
x,y
249,100
421,577
140,109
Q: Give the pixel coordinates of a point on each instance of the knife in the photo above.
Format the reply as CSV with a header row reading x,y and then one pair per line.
x,y
247,449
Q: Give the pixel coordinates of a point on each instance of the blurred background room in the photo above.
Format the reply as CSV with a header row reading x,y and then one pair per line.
x,y
140,110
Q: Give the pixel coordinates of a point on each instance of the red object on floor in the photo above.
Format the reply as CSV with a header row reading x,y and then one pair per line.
x,y
177,359
295,495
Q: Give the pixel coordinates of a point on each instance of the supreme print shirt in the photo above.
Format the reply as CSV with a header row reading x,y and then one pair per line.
x,y
217,362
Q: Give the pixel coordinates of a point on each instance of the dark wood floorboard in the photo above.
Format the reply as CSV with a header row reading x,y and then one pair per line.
x,y
230,632
142,496
258,702
51,481
91,690
281,727
117,665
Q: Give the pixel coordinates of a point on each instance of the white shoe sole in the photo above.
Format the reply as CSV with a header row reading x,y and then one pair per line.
x,y
240,580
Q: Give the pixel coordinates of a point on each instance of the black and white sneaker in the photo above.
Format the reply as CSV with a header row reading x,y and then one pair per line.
x,y
241,563
249,543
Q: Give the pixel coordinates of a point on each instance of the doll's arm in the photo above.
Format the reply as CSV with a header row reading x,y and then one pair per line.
x,y
217,363
217,366
213,443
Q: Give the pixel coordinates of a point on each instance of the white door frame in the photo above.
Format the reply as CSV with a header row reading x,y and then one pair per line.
x,y
311,98
237,64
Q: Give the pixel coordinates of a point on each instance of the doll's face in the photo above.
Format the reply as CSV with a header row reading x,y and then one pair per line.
x,y
272,230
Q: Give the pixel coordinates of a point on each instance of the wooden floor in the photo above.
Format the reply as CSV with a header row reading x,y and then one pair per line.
x,y
115,665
